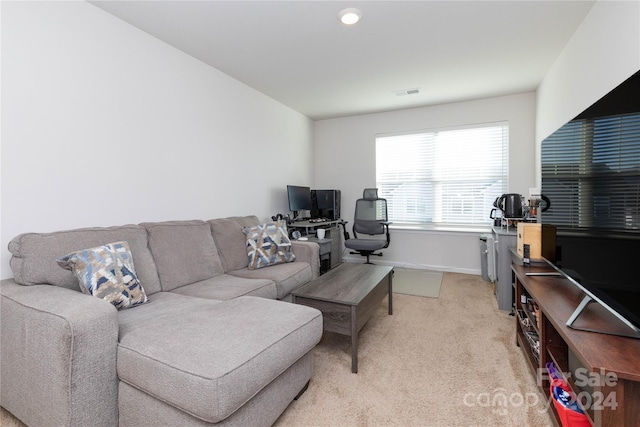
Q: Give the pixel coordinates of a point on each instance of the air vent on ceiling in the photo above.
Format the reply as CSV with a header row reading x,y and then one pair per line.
x,y
407,92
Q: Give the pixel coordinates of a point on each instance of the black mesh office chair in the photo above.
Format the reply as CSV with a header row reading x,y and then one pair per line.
x,y
371,219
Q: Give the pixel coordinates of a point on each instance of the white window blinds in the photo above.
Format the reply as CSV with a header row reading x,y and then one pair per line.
x,y
447,176
591,174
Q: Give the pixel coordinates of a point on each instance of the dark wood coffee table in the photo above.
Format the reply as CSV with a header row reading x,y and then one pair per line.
x,y
348,296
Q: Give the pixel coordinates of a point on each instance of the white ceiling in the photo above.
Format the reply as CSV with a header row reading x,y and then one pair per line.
x,y
298,52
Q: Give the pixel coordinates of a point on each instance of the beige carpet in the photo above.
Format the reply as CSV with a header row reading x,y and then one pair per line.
x,y
424,283
8,420
450,361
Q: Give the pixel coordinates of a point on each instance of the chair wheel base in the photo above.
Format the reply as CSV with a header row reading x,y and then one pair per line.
x,y
367,255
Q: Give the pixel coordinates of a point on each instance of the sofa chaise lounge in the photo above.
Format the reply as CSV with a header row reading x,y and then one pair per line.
x,y
213,345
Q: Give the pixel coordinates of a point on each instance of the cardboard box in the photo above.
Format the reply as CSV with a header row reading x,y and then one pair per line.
x,y
532,234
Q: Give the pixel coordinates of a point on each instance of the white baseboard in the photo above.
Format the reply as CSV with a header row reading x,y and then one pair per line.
x,y
380,261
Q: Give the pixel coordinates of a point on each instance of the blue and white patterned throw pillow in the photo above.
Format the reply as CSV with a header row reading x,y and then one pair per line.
x,y
107,272
268,244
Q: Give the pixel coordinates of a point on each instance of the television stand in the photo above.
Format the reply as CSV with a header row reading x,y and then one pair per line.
x,y
543,273
602,370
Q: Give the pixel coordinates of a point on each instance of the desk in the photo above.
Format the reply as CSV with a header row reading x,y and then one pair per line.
x,y
333,236
310,227
325,252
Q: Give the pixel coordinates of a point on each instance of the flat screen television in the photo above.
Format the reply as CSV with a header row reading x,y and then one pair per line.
x,y
603,265
591,174
299,199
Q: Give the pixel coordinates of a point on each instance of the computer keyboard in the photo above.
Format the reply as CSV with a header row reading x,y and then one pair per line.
x,y
316,220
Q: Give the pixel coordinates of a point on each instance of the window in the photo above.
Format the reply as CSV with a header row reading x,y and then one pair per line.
x,y
591,174
446,176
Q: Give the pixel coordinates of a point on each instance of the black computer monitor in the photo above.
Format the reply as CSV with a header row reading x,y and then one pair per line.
x,y
299,198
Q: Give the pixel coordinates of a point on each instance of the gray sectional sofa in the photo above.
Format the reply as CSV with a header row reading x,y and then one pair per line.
x,y
214,344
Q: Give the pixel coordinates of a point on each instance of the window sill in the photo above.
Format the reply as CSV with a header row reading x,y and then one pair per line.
x,y
469,229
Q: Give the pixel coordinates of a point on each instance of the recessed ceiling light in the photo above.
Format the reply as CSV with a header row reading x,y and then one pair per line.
x,y
350,15
404,92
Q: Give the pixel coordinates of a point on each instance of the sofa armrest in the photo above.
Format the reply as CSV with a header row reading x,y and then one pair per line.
x,y
308,252
58,349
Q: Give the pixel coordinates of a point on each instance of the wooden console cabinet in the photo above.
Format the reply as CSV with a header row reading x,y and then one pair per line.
x,y
603,370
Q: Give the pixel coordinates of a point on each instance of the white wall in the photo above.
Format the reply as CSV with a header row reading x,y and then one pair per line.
x,y
345,159
603,52
104,125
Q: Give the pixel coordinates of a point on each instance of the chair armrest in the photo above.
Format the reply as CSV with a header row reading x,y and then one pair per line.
x,y
343,223
308,252
58,349
386,225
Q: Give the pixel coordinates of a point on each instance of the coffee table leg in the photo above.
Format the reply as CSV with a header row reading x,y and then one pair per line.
x,y
354,341
391,292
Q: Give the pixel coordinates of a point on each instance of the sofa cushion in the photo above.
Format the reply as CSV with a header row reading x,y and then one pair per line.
x,y
231,241
268,244
209,370
35,255
226,287
142,410
287,277
107,272
184,252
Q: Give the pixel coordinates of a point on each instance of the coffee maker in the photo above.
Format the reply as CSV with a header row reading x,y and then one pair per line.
x,y
535,206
